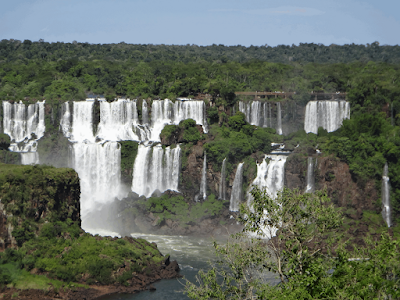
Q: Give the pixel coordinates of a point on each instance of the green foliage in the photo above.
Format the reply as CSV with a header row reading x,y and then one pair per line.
x,y
236,145
64,251
27,191
129,151
170,71
300,254
237,121
186,132
4,141
366,142
177,209
212,113
168,131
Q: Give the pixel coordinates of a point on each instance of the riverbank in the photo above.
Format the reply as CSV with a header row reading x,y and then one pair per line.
x,y
139,282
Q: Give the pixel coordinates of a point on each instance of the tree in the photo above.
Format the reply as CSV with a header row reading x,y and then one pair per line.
x,y
299,252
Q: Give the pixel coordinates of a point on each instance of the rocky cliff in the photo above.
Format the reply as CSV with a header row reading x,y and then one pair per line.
x,y
33,195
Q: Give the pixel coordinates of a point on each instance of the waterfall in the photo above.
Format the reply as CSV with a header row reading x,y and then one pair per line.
x,y
99,170
145,112
65,122
118,120
270,176
386,207
203,184
310,176
165,112
29,158
82,125
222,184
260,114
20,122
236,195
253,111
156,169
326,114
278,118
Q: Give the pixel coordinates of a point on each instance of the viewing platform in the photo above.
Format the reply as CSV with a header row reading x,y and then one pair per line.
x,y
286,95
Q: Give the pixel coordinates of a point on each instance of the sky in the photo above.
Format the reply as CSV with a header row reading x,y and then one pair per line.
x,y
203,22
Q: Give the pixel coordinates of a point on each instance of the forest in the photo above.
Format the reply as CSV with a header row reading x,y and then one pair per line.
x,y
369,75
67,71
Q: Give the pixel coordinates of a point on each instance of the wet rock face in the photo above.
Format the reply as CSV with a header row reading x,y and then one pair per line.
x,y
334,176
296,172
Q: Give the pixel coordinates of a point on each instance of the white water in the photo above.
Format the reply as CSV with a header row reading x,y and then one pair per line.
x,y
99,170
118,120
165,112
82,125
271,177
156,169
97,164
237,192
254,112
29,158
326,114
65,122
222,183
260,114
310,176
20,122
278,119
386,207
145,113
203,184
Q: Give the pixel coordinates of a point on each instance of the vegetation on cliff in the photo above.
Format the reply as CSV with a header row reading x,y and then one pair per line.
x,y
40,234
304,255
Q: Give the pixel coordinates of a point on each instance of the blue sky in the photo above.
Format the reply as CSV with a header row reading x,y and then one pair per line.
x,y
203,22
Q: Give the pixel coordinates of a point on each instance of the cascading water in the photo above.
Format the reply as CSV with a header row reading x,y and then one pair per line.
x,y
99,170
260,114
29,158
82,125
118,120
278,119
164,112
156,169
203,184
271,177
386,207
97,164
20,122
326,114
310,176
237,193
145,113
65,122
253,111
222,183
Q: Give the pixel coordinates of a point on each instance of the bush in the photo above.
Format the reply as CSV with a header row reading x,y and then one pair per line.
x,y
237,121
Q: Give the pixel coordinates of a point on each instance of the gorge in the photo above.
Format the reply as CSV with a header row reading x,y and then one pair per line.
x,y
145,171
95,129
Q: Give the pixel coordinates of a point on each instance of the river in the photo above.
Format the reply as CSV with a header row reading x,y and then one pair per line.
x,y
192,254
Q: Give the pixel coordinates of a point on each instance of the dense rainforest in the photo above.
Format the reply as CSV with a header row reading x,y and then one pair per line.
x,y
369,75
71,71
